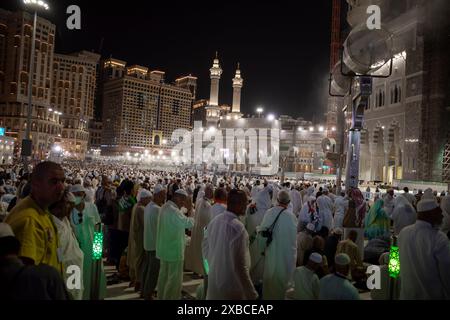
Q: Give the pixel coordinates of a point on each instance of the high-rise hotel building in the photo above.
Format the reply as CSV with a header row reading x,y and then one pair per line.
x,y
74,81
140,111
16,29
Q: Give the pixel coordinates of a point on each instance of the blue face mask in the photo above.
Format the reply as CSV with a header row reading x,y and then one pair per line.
x,y
78,200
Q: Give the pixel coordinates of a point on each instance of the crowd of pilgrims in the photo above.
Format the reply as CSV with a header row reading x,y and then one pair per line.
x,y
247,237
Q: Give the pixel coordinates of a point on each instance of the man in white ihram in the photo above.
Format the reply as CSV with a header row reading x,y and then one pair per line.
x,y
151,216
201,219
325,205
170,245
225,248
425,256
307,284
220,202
337,286
281,253
296,200
340,207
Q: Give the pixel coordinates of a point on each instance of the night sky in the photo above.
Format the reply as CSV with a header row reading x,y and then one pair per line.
x,y
283,46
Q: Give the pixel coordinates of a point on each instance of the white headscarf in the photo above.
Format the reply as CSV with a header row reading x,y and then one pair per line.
x,y
263,200
403,213
428,194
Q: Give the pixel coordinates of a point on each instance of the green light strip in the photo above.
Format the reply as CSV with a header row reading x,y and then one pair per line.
x,y
97,247
394,262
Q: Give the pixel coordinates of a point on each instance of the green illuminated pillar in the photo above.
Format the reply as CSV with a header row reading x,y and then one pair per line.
x,y
394,262
97,254
394,266
97,247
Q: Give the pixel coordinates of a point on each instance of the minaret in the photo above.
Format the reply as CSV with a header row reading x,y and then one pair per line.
x,y
237,86
216,72
213,109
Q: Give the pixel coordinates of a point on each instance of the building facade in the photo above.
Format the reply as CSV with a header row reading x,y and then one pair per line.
x,y
406,123
95,134
16,29
141,111
74,81
301,146
7,149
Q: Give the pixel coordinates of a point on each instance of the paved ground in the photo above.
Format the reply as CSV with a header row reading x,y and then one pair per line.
x,y
121,291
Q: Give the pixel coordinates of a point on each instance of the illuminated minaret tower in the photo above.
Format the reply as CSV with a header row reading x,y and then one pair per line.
x,y
237,86
213,109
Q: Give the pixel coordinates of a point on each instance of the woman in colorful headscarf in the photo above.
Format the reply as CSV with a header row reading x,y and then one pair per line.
x,y
377,222
309,214
309,193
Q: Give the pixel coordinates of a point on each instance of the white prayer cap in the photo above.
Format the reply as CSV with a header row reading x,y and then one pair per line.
x,y
143,193
338,231
283,197
77,188
5,230
182,192
426,205
342,259
310,227
316,258
157,189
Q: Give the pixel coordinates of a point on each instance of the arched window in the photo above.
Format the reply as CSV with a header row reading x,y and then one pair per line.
x,y
157,140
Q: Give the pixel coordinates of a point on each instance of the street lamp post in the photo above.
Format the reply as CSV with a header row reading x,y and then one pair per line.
x,y
26,142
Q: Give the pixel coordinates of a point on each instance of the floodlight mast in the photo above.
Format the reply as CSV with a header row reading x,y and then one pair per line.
x,y
27,148
358,105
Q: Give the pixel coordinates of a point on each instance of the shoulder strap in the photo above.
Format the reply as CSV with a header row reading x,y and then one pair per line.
x,y
274,223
